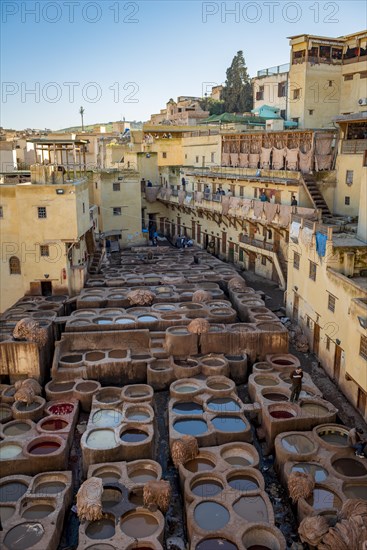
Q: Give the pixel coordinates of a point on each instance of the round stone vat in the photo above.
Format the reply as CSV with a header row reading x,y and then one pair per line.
x,y
137,393
7,396
187,407
53,424
211,366
102,529
11,491
216,544
244,481
111,496
203,462
117,354
274,395
184,386
108,474
297,444
23,536
106,418
323,498
185,368
190,426
108,395
229,423
282,411
44,445
211,516
220,385
133,435
352,490
89,386
349,467
252,508
223,405
102,438
139,524
10,450
332,435
94,356
318,472
33,411
262,380
261,367
237,367
47,484
37,511
143,471
72,359
263,537
135,413
205,486
283,362
55,389
314,408
62,408
239,455
17,428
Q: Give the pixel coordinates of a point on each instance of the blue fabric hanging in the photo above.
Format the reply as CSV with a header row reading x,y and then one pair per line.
x,y
321,243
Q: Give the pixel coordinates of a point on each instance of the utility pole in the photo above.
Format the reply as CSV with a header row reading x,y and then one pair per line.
x,y
81,112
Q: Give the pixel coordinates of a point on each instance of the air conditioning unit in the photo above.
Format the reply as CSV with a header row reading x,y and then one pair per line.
x,y
362,101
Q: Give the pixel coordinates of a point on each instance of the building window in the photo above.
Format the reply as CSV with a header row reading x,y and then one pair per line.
x,y
328,343
117,211
241,191
83,208
296,119
348,77
297,93
331,303
99,210
282,88
263,260
310,111
308,321
363,347
363,75
164,155
44,250
331,83
282,114
116,186
196,159
312,271
365,158
260,94
14,265
42,213
1,212
186,156
349,177
347,201
96,185
296,260
212,157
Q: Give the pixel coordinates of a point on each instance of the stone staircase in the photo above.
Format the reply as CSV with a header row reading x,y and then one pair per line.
x,y
96,262
316,197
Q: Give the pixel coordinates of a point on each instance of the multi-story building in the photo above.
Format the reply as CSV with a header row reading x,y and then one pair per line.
x,y
46,229
185,111
326,78
270,88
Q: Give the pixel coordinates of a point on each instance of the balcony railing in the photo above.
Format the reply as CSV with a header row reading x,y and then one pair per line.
x,y
354,146
271,247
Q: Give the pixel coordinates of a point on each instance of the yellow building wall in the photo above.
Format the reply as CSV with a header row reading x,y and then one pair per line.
x,y
313,308
270,84
343,163
65,222
128,198
197,151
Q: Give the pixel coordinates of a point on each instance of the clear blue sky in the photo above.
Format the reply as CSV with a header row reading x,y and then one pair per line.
x,y
144,51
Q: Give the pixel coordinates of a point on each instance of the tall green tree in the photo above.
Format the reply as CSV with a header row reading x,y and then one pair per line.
x,y
214,106
237,92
